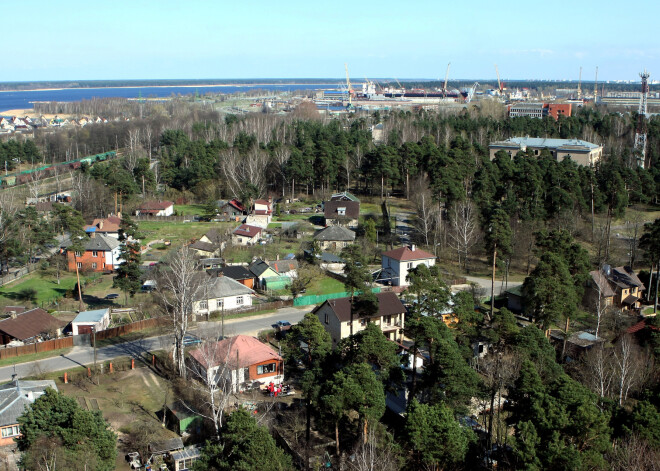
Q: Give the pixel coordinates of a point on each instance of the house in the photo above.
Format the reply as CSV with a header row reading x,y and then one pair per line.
x,y
240,361
182,460
581,152
214,237
160,450
398,262
262,214
102,254
288,268
210,244
514,299
335,238
108,226
88,321
341,213
344,196
619,287
30,326
221,293
335,316
15,397
235,272
204,249
246,234
233,209
262,270
155,208
181,419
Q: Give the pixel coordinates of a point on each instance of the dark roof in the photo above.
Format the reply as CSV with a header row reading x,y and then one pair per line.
x,y
237,272
337,233
166,445
630,299
625,277
16,309
406,254
258,267
388,303
330,210
44,206
29,324
214,236
284,266
101,243
247,230
203,246
17,395
600,280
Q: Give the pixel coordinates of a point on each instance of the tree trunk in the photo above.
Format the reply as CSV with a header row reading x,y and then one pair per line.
x,y
492,285
648,291
80,300
337,437
657,278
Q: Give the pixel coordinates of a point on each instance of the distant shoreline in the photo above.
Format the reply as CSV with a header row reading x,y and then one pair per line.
x,y
170,86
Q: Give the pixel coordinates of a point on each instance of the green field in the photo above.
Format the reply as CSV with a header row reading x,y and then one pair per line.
x,y
177,232
46,287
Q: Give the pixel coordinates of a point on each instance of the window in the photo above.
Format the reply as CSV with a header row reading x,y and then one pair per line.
x,y
239,300
327,318
79,264
94,266
78,254
341,211
409,265
387,320
265,369
203,305
95,253
10,431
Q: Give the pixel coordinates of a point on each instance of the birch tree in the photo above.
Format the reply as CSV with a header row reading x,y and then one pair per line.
x,y
628,366
464,231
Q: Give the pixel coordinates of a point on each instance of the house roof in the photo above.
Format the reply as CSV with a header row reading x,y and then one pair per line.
x,y
388,303
541,142
625,276
155,205
331,209
203,246
258,267
16,309
335,233
181,411
248,349
44,206
110,224
236,204
221,287
600,280
91,316
247,230
584,339
17,395
284,266
166,445
187,453
404,254
30,324
237,272
214,236
101,243
344,196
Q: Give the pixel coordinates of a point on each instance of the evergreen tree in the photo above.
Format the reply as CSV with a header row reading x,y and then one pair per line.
x,y
129,274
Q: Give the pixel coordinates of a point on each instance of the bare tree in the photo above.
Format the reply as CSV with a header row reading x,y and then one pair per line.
x,y
177,290
464,230
635,453
599,370
425,210
631,366
239,170
134,148
35,184
374,454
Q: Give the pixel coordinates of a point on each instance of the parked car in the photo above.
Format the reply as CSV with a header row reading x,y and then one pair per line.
x,y
189,340
112,296
282,326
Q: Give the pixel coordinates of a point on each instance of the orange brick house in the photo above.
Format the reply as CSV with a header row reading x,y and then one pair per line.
x,y
15,397
240,361
101,255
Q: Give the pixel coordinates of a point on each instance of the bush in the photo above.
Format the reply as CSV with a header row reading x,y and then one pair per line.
x,y
27,294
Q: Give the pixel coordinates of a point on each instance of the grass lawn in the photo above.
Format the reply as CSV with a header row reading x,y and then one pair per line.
x,y
240,254
648,310
178,232
189,209
45,285
326,285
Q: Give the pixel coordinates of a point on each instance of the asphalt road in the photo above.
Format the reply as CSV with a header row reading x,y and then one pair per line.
x,y
84,356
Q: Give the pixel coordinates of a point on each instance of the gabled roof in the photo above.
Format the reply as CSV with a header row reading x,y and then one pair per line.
x,y
17,395
331,209
92,316
155,205
258,267
165,446
110,224
388,304
601,283
404,254
30,324
248,349
262,202
335,233
236,272
214,236
44,206
284,266
101,243
221,287
246,230
236,204
344,196
203,246
625,276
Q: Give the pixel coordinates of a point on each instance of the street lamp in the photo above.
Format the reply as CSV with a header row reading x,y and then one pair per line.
x,y
94,340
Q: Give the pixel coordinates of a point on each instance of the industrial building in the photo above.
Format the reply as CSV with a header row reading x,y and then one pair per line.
x,y
581,152
539,110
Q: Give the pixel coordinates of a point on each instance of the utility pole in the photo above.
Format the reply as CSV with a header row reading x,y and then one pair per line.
x,y
96,372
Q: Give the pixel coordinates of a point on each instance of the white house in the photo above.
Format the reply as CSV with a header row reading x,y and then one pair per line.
x,y
84,322
221,292
239,361
398,262
246,234
156,208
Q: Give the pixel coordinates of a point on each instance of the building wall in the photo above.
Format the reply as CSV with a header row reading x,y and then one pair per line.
x,y
333,244
351,223
401,269
230,303
101,325
328,319
582,158
242,240
12,431
89,261
341,330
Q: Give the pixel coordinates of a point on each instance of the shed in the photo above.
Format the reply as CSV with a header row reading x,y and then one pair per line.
x,y
182,419
276,282
184,459
99,319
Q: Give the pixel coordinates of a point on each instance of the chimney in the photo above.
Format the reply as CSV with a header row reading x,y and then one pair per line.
x,y
92,234
100,224
13,314
278,257
412,247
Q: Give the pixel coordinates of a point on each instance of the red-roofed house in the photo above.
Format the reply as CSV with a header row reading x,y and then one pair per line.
x,y
398,262
240,361
155,208
233,209
246,234
108,226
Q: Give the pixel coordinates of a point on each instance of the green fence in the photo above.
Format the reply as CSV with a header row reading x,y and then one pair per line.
x,y
319,298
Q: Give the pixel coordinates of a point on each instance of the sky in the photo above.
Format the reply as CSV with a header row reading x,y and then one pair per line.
x,y
199,39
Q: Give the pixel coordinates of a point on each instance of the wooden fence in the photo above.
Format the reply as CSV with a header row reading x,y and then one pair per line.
x,y
48,345
132,327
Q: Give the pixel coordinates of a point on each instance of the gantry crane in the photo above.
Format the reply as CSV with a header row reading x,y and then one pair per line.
x,y
500,85
399,84
348,85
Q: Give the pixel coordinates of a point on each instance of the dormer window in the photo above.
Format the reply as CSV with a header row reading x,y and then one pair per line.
x,y
341,211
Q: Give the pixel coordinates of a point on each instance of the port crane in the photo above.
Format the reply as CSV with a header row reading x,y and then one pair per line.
x,y
579,89
500,84
444,87
399,84
348,85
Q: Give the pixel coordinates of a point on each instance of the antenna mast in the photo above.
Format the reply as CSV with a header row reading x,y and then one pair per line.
x,y
596,86
640,134
579,90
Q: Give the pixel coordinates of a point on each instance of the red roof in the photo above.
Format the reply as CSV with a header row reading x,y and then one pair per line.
x,y
247,230
262,202
404,254
249,351
155,205
640,326
237,204
30,324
